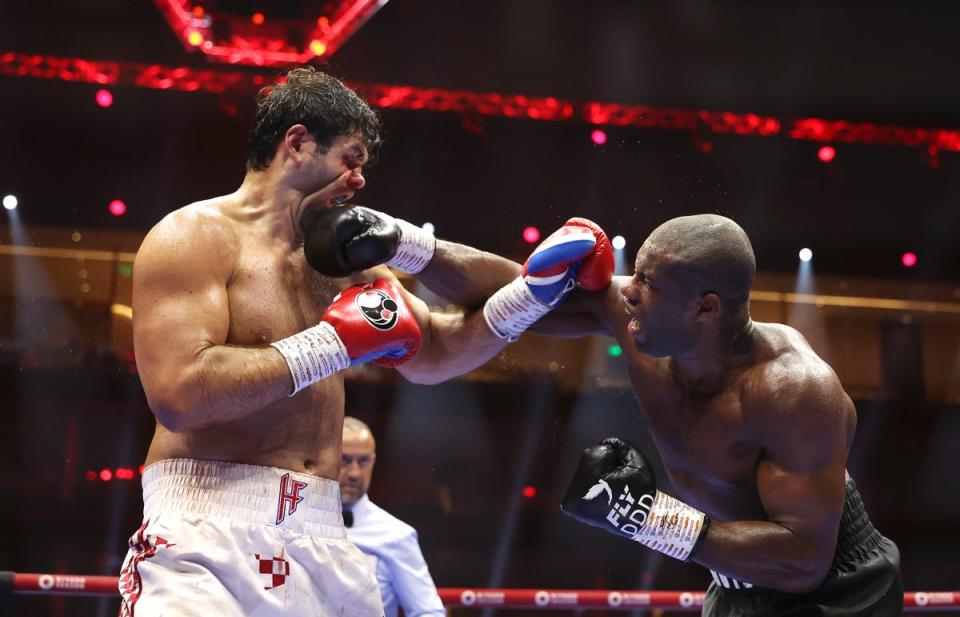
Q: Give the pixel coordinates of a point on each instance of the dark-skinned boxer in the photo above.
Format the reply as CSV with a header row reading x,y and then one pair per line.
x,y
753,429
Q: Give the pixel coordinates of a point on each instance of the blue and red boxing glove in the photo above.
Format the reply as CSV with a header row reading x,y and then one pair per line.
x,y
577,254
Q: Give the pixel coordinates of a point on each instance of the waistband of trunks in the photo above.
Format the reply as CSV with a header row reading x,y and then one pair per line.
x,y
728,582
857,536
255,494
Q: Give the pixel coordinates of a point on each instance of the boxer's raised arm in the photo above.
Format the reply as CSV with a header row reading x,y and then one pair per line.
x,y
343,240
585,313
466,276
180,323
576,254
800,482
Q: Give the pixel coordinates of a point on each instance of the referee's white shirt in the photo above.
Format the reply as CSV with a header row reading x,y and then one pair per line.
x,y
392,548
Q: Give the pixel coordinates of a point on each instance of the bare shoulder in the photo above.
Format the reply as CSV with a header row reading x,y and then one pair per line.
x,y
197,235
789,374
789,364
795,394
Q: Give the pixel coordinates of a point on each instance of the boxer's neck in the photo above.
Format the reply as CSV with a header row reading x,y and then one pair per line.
x,y
706,368
266,201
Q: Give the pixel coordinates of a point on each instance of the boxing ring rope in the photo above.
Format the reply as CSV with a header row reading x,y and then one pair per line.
x,y
464,597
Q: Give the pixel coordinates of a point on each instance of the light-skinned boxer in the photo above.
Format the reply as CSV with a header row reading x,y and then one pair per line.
x,y
241,343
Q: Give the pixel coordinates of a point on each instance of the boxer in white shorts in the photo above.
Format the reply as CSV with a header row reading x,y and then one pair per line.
x,y
246,308
230,539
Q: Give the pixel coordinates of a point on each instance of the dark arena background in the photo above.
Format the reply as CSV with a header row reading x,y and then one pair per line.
x,y
826,126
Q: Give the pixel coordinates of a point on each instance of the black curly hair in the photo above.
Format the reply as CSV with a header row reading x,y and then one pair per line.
x,y
316,100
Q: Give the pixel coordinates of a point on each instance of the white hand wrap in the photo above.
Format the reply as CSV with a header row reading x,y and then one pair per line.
x,y
416,248
513,309
672,527
312,355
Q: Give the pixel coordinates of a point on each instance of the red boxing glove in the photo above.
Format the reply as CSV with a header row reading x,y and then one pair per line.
x,y
375,323
596,270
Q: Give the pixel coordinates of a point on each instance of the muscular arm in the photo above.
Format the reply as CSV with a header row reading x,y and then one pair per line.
x,y
192,379
586,313
466,276
800,482
452,343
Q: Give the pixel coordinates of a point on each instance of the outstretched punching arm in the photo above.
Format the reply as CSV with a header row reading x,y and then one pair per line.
x,y
347,239
466,276
587,313
578,254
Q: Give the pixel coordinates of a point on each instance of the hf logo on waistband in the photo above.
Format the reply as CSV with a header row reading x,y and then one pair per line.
x,y
289,496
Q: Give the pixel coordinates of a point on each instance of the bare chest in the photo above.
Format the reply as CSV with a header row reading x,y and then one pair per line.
x,y
705,444
273,295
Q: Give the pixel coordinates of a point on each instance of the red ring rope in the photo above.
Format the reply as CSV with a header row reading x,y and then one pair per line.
x,y
84,585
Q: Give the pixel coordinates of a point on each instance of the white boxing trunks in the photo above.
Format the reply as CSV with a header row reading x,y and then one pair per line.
x,y
229,539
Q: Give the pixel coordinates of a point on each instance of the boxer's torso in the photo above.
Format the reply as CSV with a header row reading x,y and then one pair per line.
x,y
272,293
711,444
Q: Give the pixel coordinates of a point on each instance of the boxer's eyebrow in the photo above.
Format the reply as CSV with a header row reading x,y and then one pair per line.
x,y
644,277
360,153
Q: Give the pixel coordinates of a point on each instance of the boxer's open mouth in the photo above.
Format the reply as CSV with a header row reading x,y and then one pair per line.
x,y
633,326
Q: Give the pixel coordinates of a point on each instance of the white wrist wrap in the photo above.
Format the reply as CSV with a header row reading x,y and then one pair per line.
x,y
672,527
313,354
415,250
513,309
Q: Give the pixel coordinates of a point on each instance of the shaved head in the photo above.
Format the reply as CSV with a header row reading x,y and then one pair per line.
x,y
354,425
708,253
692,279
357,456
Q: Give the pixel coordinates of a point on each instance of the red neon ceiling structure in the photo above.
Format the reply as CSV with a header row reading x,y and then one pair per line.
x,y
237,39
387,96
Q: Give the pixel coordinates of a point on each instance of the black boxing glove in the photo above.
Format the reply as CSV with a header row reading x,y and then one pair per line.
x,y
341,240
614,488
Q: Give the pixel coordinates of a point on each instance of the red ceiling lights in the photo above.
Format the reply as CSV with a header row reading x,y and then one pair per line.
x,y
106,72
668,118
826,153
260,40
217,81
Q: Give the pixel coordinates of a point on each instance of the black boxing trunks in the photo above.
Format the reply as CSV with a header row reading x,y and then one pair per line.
x,y
864,578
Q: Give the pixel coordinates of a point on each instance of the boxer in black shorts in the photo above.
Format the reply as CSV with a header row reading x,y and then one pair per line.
x,y
753,428
863,579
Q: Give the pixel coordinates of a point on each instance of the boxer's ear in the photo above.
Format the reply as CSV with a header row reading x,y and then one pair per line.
x,y
709,306
294,138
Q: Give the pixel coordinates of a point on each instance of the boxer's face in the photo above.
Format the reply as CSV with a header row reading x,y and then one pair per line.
x,y
328,163
659,305
313,166
356,465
